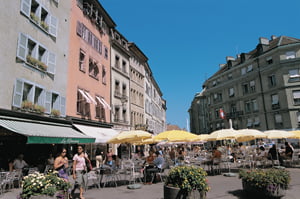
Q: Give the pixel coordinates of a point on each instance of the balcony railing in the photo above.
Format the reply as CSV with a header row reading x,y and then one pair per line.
x,y
275,106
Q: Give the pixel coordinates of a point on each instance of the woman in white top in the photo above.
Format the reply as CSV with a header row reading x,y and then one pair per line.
x,y
79,169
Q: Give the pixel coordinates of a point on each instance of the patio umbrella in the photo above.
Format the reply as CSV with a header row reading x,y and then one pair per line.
x,y
296,134
175,136
144,141
130,137
278,134
223,134
244,135
200,138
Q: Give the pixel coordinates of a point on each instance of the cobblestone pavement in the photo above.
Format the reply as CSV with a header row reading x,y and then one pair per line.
x,y
221,188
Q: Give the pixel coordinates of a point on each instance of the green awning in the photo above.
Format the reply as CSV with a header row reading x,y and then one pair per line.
x,y
40,132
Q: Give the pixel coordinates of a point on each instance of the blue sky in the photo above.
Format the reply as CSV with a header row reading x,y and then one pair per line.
x,y
186,41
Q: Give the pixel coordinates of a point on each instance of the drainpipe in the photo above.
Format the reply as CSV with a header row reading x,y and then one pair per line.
x,y
262,94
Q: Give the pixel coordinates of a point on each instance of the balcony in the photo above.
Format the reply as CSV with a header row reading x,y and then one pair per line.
x,y
233,115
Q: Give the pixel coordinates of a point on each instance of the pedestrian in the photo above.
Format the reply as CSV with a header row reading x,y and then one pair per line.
x,y
80,170
99,157
61,164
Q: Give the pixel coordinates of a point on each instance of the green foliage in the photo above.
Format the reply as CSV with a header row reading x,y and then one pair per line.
x,y
27,104
41,184
55,112
188,178
38,108
35,18
262,178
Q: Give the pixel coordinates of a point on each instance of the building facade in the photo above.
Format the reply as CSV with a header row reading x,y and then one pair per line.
x,y
34,61
89,82
137,63
259,89
120,81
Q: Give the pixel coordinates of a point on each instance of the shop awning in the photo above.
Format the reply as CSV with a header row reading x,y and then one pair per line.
x,y
40,132
102,135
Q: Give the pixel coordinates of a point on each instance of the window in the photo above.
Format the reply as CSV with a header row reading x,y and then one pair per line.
x,y
231,92
252,86
298,117
233,108
93,69
214,83
245,88
243,71
105,52
256,121
294,75
37,13
248,106
217,113
290,55
296,97
103,75
124,117
117,61
272,80
254,105
25,90
84,99
117,114
249,123
249,68
81,60
229,76
35,54
274,99
100,111
278,118
124,64
269,60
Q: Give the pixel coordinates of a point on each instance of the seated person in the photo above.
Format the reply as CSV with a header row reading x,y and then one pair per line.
x,y
262,154
289,150
20,164
273,154
158,166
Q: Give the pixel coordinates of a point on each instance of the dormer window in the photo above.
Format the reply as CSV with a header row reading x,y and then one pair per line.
x,y
290,55
249,68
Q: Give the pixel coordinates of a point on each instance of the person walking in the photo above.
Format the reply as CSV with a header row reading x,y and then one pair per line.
x,y
61,164
80,170
99,157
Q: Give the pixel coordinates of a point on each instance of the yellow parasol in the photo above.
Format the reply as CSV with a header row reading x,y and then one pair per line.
x,y
296,134
278,134
175,136
244,135
130,137
200,138
223,134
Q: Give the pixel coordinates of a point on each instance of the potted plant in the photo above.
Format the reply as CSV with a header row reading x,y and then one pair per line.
x,y
185,182
44,25
38,108
269,182
34,17
55,112
42,65
27,105
39,185
31,60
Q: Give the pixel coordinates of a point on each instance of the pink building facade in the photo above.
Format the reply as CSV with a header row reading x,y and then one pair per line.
x,y
88,87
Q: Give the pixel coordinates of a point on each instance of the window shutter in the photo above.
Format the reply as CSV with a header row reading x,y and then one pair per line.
x,y
56,104
53,26
25,7
51,63
22,47
79,28
41,98
18,93
63,106
48,102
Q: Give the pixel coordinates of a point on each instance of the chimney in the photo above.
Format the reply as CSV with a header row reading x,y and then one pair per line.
x,y
229,58
273,37
244,57
263,41
221,65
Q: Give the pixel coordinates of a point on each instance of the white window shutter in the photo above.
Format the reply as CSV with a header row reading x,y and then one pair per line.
x,y
48,100
18,93
51,63
22,46
41,99
62,106
56,104
53,26
25,7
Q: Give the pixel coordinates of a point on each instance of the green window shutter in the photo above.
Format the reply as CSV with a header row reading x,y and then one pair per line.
x,y
25,7
18,93
22,47
51,63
